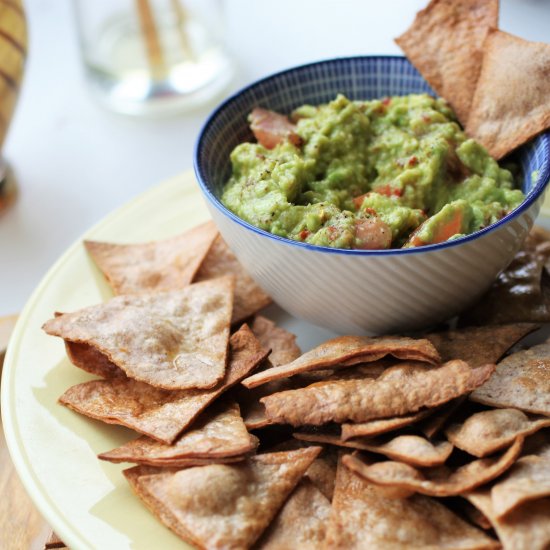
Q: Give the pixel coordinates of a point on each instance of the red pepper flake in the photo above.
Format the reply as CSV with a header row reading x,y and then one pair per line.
x,y
371,211
426,118
413,161
304,234
386,101
333,232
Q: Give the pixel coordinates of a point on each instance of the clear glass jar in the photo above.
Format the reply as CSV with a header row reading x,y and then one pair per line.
x,y
149,57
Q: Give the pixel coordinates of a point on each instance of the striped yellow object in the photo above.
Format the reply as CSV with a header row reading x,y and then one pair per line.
x,y
13,50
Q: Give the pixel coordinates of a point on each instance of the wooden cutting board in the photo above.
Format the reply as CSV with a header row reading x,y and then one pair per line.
x,y
21,526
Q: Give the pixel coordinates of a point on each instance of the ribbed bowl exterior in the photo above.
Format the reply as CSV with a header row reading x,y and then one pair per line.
x,y
374,294
359,291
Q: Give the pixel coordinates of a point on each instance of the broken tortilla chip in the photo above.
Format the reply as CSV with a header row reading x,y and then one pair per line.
x,y
384,425
249,297
527,528
363,518
91,360
301,523
169,264
440,481
521,380
171,340
528,479
445,44
479,345
161,414
411,449
218,433
281,342
349,350
400,390
486,432
510,104
225,506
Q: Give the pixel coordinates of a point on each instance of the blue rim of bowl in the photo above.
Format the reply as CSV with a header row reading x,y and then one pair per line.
x,y
542,181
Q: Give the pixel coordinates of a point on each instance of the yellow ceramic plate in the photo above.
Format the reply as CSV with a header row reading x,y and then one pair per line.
x,y
87,501
545,209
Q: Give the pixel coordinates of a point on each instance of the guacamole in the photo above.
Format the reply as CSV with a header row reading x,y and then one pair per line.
x,y
388,173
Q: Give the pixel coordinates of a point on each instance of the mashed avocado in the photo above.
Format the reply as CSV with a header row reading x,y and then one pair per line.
x,y
367,174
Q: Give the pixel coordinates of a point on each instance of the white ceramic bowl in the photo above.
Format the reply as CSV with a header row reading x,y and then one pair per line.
x,y
359,291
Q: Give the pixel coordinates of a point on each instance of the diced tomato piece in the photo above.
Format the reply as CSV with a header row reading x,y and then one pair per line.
x,y
451,227
271,128
388,190
372,234
442,232
358,201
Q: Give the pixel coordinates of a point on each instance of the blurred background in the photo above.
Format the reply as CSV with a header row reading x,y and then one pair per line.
x,y
76,160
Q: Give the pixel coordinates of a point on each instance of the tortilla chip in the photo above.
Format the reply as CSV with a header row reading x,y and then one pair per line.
x,y
253,411
179,463
322,472
527,528
219,432
133,476
363,518
538,444
521,380
377,427
161,414
54,542
301,523
466,509
445,44
281,342
479,345
349,350
171,340
510,104
476,346
249,297
411,449
169,264
520,293
486,432
438,482
433,423
225,506
91,360
402,389
528,479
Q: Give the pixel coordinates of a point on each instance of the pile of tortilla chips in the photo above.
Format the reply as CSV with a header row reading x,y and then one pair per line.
x,y
497,83
433,440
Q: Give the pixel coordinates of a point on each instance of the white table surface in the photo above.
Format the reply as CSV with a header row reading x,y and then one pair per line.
x,y
75,161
